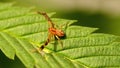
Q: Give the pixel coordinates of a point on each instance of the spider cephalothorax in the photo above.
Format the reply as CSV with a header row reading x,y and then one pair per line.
x,y
56,32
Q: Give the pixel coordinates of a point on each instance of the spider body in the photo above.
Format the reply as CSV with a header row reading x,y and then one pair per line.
x,y
52,31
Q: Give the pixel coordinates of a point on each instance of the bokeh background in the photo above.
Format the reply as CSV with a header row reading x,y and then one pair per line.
x,y
103,14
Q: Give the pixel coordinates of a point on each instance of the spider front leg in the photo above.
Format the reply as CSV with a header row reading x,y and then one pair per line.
x,y
59,40
46,43
40,49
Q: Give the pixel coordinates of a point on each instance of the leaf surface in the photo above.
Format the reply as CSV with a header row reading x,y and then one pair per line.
x,y
22,31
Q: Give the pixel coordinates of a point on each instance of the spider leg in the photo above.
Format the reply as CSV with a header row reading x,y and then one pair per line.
x,y
47,18
46,43
62,25
59,40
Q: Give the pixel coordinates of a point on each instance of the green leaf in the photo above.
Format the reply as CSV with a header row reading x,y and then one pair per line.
x,y
23,30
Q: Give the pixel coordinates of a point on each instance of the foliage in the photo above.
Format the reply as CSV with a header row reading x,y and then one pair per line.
x,y
23,30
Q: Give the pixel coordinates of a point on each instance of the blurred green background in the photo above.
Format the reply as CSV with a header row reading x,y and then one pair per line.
x,y
103,14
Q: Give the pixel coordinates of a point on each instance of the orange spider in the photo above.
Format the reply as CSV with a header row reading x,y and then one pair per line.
x,y
52,31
